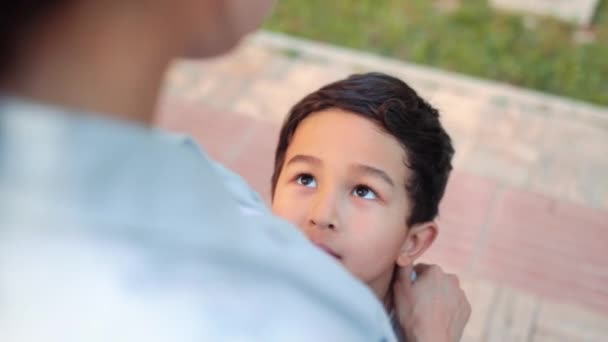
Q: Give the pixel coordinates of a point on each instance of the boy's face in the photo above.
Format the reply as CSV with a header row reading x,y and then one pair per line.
x,y
342,184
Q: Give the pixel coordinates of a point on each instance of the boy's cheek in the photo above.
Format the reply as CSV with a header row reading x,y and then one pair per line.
x,y
288,211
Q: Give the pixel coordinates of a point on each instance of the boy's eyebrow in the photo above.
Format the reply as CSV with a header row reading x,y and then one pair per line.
x,y
304,158
358,167
374,172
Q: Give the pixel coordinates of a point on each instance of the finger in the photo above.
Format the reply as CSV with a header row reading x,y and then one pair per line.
x,y
468,308
465,308
404,273
426,270
422,268
454,279
404,276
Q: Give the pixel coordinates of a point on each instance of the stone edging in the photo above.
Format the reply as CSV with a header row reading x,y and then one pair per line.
x,y
546,104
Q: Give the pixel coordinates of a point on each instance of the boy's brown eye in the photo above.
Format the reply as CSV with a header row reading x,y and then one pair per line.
x,y
364,192
306,180
361,191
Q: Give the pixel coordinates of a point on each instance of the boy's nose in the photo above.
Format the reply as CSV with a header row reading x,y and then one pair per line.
x,y
323,224
324,214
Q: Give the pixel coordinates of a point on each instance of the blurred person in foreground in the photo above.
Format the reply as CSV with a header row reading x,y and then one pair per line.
x,y
110,231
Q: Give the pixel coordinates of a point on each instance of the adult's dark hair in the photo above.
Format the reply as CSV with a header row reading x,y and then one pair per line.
x,y
16,20
398,110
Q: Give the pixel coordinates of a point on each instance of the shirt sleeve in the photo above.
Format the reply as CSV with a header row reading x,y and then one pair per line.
x,y
249,201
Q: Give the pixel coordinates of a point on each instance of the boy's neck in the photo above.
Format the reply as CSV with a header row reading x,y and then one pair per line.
x,y
383,288
384,294
387,301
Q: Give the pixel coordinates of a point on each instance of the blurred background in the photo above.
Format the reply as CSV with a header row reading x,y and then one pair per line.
x,y
562,50
522,87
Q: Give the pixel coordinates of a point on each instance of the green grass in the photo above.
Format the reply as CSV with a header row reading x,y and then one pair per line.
x,y
474,39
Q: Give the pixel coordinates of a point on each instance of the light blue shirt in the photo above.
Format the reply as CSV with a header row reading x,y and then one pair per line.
x,y
115,232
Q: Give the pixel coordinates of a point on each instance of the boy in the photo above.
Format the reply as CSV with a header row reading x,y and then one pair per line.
x,y
360,167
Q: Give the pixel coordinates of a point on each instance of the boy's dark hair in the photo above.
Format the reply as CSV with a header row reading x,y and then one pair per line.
x,y
398,110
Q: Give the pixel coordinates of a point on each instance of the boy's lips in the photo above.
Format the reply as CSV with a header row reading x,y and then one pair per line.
x,y
328,250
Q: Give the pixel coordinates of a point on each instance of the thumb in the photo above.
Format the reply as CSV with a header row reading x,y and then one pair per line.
x,y
402,288
404,276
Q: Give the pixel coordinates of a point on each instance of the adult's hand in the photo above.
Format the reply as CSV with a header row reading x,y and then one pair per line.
x,y
433,308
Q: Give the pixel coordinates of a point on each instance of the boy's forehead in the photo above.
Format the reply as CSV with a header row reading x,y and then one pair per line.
x,y
335,136
346,130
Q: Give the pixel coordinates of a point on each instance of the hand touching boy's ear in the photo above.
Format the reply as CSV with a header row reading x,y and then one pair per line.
x,y
431,308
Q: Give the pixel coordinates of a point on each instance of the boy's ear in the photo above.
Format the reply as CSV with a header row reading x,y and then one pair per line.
x,y
419,238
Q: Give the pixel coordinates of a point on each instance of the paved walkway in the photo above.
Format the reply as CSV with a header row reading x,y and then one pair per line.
x,y
525,218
